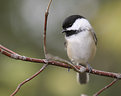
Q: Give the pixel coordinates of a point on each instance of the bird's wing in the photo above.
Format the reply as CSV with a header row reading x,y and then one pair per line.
x,y
65,44
94,36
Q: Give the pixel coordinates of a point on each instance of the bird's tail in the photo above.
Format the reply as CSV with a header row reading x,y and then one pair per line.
x,y
83,78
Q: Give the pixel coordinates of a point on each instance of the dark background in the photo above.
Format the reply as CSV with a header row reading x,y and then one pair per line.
x,y
21,30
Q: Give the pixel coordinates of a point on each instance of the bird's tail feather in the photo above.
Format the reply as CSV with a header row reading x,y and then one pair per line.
x,y
83,78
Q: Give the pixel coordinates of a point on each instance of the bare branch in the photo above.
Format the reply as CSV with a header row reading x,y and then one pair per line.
x,y
6,49
106,87
27,80
60,64
45,28
15,56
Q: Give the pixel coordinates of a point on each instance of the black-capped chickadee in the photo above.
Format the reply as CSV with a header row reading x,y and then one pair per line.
x,y
81,43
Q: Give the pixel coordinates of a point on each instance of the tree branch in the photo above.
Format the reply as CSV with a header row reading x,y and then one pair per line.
x,y
27,80
57,63
106,87
45,29
46,62
16,56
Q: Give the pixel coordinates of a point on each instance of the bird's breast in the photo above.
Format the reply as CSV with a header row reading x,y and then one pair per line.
x,y
81,47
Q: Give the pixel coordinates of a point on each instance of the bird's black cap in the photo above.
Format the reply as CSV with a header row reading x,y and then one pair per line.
x,y
68,22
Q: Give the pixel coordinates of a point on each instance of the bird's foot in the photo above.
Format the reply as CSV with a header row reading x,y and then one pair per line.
x,y
89,68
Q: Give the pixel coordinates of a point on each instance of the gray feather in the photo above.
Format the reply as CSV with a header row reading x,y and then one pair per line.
x,y
94,36
83,78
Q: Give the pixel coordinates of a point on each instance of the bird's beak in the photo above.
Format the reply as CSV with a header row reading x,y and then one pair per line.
x,y
63,31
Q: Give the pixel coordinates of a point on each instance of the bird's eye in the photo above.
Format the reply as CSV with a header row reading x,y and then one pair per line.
x,y
70,24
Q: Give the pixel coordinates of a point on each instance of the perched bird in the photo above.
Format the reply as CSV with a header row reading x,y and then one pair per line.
x,y
80,43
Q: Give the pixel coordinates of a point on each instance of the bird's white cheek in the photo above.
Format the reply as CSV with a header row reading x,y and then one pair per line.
x,y
80,23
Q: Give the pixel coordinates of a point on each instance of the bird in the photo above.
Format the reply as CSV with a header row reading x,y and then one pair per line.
x,y
80,42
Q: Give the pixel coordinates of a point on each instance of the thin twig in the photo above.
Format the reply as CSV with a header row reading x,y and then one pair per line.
x,y
56,58
6,49
106,87
66,64
60,64
23,57
45,28
25,81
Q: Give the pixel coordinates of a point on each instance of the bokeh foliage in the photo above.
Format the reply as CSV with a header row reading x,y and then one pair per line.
x,y
21,29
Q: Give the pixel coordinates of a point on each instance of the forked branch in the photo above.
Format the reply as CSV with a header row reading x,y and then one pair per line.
x,y
45,61
59,64
14,55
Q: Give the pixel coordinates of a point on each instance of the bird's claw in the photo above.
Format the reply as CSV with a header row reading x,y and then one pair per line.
x,y
89,68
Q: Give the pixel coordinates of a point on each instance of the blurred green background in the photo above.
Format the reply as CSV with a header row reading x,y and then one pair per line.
x,y
21,30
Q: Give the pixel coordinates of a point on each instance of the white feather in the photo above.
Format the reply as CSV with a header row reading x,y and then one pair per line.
x,y
80,23
81,47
